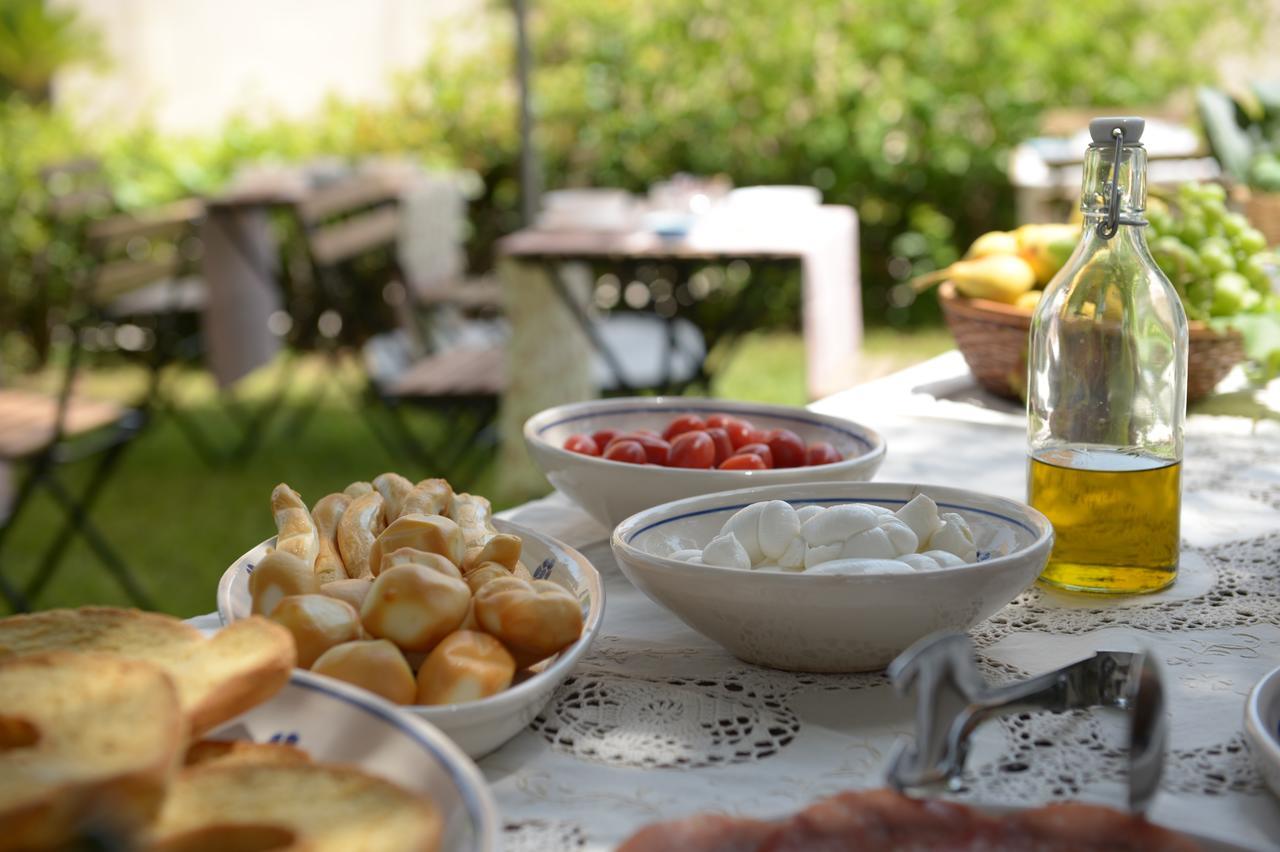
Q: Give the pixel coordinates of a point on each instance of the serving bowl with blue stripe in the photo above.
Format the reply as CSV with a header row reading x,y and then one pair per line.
x,y
610,491
1262,728
830,622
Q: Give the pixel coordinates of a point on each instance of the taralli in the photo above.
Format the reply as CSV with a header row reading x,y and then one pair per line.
x,y
503,548
482,574
353,591
473,515
295,530
357,532
373,664
431,533
326,515
465,666
394,488
357,489
415,606
73,753
410,556
534,620
278,575
522,572
242,807
428,497
224,752
317,623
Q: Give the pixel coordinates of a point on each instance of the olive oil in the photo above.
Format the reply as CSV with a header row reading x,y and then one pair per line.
x,y
1115,518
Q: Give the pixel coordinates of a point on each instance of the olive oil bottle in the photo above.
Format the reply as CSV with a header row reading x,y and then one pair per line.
x,y
1106,391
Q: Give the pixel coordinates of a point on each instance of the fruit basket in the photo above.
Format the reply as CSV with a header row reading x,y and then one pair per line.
x,y
992,336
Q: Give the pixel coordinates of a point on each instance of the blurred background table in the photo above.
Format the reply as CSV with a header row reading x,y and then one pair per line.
x,y
659,723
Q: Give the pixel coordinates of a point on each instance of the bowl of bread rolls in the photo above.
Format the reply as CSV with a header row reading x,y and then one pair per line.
x,y
122,729
418,594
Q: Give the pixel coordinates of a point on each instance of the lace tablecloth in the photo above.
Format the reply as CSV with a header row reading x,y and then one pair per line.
x,y
659,722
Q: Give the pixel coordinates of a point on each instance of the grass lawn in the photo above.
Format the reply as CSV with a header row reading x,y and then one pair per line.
x,y
179,523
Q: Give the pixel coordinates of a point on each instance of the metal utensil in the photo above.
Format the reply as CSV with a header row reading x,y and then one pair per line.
x,y
952,699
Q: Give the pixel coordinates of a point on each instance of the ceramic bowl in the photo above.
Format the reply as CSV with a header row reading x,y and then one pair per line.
x,y
478,727
1262,728
337,723
610,491
830,623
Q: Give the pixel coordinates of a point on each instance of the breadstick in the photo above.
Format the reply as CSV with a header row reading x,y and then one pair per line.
x,y
472,513
357,489
327,514
357,532
296,531
428,497
394,488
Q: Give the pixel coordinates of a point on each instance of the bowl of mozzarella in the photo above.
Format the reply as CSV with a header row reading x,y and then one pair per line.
x,y
832,577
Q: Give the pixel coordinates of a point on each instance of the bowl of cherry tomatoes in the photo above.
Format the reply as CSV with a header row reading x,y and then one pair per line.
x,y
615,457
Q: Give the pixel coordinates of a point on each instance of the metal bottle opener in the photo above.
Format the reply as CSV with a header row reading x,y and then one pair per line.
x,y
952,699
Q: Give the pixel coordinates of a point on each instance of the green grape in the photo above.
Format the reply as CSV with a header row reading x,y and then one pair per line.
x,y
1160,221
1193,229
1251,241
1230,294
1176,259
1234,224
1216,259
1255,269
1213,192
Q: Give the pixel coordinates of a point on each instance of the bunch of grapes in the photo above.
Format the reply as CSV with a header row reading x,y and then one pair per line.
x,y
1218,262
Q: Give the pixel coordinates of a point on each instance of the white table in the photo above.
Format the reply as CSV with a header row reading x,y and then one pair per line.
x,y
659,723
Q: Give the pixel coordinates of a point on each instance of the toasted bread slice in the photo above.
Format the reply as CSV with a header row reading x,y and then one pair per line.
x,y
223,752
218,678
237,808
88,743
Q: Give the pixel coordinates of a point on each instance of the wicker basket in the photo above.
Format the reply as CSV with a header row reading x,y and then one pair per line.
x,y
993,339
1262,209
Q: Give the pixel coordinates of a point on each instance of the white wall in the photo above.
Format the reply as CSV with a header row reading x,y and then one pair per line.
x,y
189,64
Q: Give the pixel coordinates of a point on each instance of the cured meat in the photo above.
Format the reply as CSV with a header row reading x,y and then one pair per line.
x,y
885,821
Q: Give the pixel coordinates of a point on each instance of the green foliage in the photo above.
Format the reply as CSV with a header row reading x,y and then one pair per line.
x,y
1244,132
36,41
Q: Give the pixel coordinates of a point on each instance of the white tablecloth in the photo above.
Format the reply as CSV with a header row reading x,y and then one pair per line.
x,y
660,723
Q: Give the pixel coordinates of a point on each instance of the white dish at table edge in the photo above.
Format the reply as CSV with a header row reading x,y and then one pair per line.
x,y
611,491
337,723
1262,728
478,727
831,622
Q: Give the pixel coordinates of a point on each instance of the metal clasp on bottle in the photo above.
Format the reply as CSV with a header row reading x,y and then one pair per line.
x,y
1111,222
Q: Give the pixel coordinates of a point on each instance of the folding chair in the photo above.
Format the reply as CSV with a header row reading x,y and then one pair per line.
x,y
38,434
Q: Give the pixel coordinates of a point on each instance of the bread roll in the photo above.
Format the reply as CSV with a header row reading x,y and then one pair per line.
x,y
502,548
295,530
472,515
394,488
327,514
351,590
534,620
465,666
357,532
279,574
415,606
372,664
317,622
428,497
431,533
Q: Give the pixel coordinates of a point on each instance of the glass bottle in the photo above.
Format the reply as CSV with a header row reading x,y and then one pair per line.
x,y
1106,391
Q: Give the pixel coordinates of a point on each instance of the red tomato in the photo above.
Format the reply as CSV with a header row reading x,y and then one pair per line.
x,y
720,438
656,450
761,450
743,461
650,432
604,437
629,452
718,421
693,449
684,423
742,432
582,444
820,452
788,449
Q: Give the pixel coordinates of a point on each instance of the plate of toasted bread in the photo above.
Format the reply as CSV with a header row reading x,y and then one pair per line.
x,y
131,730
417,594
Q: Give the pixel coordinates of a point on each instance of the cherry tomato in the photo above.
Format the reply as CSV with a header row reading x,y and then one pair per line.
x,y
656,450
684,423
604,437
693,449
743,461
717,421
650,432
742,432
629,452
788,449
582,444
720,438
820,452
761,450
